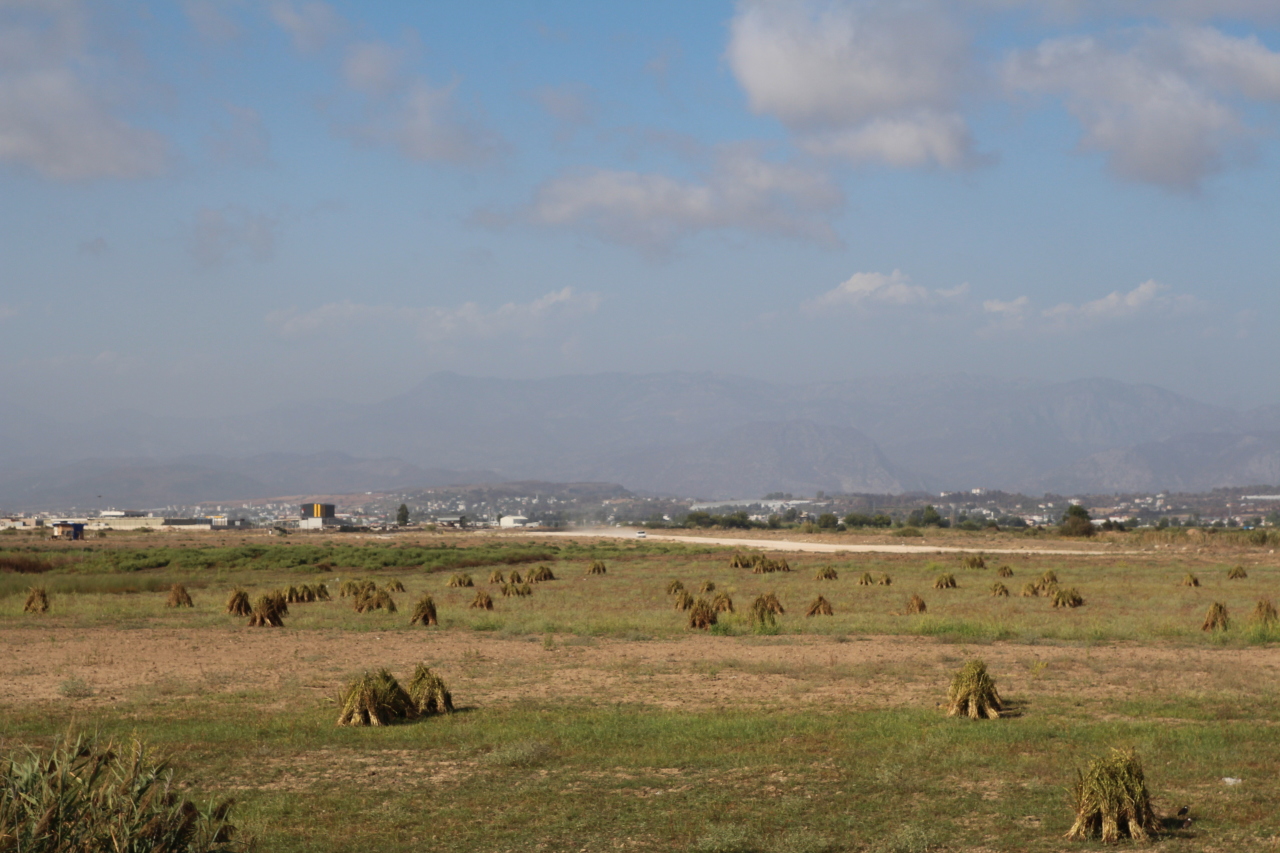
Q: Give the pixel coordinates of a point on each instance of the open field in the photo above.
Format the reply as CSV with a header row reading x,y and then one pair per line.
x,y
591,717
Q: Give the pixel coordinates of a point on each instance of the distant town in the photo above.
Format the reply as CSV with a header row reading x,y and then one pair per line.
x,y
584,505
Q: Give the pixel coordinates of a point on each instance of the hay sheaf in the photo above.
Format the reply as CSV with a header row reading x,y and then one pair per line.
x,y
1190,580
702,614
424,612
1237,574
37,600
722,603
238,603
1030,589
866,579
1264,612
514,577
885,580
741,561
460,580
827,573
178,597
974,561
1067,597
1111,800
378,600
268,611
944,582
428,692
322,593
598,568
395,586
482,601
820,607
999,590
1048,578
496,576
765,610
374,699
674,587
916,604
706,587
973,693
539,574
1004,572
1216,618
683,600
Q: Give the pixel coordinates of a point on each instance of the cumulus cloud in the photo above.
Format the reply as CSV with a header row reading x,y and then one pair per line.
x,y
1163,104
866,81
436,324
219,234
652,211
1150,297
866,290
56,108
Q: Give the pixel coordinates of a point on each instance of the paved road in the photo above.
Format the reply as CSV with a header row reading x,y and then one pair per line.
x,y
817,547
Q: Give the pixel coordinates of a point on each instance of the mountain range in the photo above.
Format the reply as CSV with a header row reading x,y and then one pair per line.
x,y
688,434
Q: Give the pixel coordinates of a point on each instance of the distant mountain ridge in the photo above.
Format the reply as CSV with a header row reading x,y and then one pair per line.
x,y
690,434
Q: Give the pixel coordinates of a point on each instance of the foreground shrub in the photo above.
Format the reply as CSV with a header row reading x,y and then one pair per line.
x,y
1111,800
374,699
87,794
1216,618
178,597
37,600
973,693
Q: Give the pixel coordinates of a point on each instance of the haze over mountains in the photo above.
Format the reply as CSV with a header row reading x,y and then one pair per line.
x,y
697,435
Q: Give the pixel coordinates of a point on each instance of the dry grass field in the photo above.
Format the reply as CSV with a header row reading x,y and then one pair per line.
x,y
589,716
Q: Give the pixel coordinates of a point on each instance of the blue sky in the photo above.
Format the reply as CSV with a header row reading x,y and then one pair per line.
x,y
218,206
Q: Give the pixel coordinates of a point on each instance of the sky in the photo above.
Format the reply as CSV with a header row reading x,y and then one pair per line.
x,y
216,206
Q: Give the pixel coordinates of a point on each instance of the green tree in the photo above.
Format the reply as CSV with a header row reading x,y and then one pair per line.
x,y
1076,522
402,515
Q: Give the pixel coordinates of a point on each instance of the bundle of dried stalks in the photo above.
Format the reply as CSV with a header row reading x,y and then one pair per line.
x,y
706,587
916,604
973,693
509,589
1190,580
268,612
1004,572
322,593
179,597
885,580
763,565
944,582
495,576
702,614
999,590
460,580
762,613
306,594
1048,578
374,699
1111,800
820,607
291,595
349,587
674,587
866,579
1030,589
514,577
380,599
1066,597
395,586
429,693
974,561
827,573
1264,612
424,612
1237,574
598,568
238,604
524,589
37,600
683,600
722,603
742,561
1216,618
482,601
540,574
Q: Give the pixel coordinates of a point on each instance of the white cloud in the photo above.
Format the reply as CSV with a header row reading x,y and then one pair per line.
x,y
872,289
1163,104
435,324
56,113
862,81
652,211
311,25
1150,297
217,234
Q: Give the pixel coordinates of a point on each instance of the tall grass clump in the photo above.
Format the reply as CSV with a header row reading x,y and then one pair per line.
x,y
973,693
37,600
1030,589
424,612
819,607
374,699
1111,800
944,582
1216,618
1237,574
179,597
87,794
